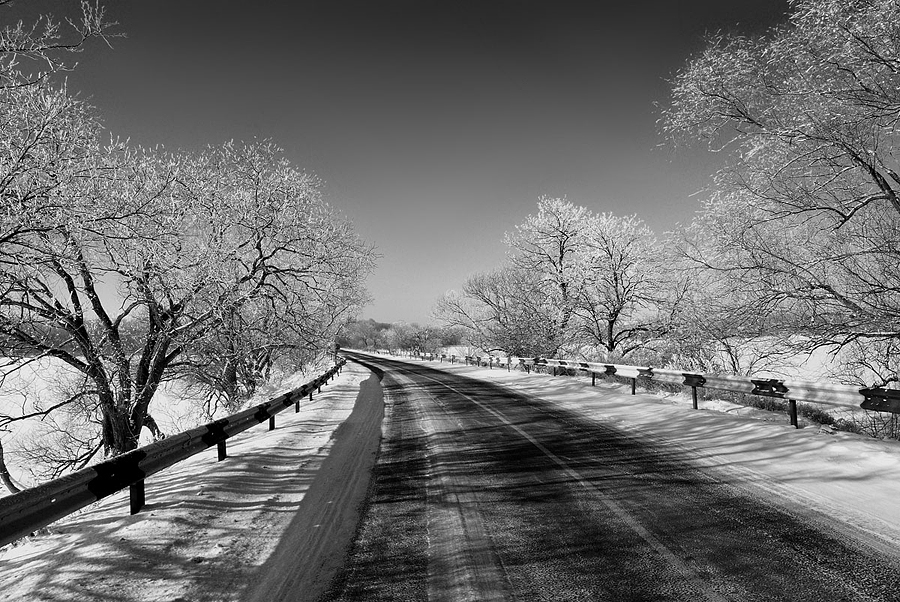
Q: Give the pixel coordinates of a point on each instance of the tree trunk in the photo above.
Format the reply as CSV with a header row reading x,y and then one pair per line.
x,y
229,382
118,434
5,476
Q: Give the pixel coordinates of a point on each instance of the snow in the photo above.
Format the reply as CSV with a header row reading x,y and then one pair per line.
x,y
211,531
208,528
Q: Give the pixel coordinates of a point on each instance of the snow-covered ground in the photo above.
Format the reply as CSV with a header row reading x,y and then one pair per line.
x,y
222,531
39,383
210,530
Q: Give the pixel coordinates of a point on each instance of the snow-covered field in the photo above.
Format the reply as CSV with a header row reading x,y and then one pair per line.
x,y
218,531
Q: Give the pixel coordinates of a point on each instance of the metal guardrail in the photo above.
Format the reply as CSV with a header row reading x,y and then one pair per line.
x,y
31,509
791,390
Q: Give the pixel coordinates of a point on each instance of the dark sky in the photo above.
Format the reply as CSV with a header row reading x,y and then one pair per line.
x,y
435,125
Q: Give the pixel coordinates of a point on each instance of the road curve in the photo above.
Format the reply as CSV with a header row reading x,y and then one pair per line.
x,y
480,493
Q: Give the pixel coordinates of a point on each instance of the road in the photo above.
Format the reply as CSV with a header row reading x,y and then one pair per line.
x,y
480,493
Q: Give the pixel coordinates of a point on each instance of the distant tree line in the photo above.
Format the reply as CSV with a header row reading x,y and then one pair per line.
x,y
797,248
370,335
133,266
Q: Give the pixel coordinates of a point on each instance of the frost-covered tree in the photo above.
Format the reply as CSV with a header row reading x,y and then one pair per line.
x,y
292,317
622,284
41,129
165,249
32,52
805,221
545,246
508,310
573,279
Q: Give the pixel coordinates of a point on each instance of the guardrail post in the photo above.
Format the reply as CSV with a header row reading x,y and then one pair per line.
x,y
297,405
593,379
633,385
220,447
271,423
693,381
792,410
136,496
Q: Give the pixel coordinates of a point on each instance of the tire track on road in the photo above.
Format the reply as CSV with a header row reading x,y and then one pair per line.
x,y
688,573
462,561
510,497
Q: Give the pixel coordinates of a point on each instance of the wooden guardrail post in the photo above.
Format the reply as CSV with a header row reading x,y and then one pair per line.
x,y
693,381
223,452
136,496
792,411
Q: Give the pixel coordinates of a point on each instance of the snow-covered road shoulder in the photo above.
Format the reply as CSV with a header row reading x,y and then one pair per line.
x,y
214,531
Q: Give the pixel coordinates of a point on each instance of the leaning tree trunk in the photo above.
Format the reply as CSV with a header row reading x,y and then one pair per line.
x,y
5,476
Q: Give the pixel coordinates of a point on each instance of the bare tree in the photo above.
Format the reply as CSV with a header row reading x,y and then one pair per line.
x,y
182,247
509,310
714,327
29,56
296,312
399,336
125,264
622,284
30,53
546,245
574,278
806,221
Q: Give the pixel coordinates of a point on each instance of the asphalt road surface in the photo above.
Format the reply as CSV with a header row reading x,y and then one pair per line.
x,y
480,493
